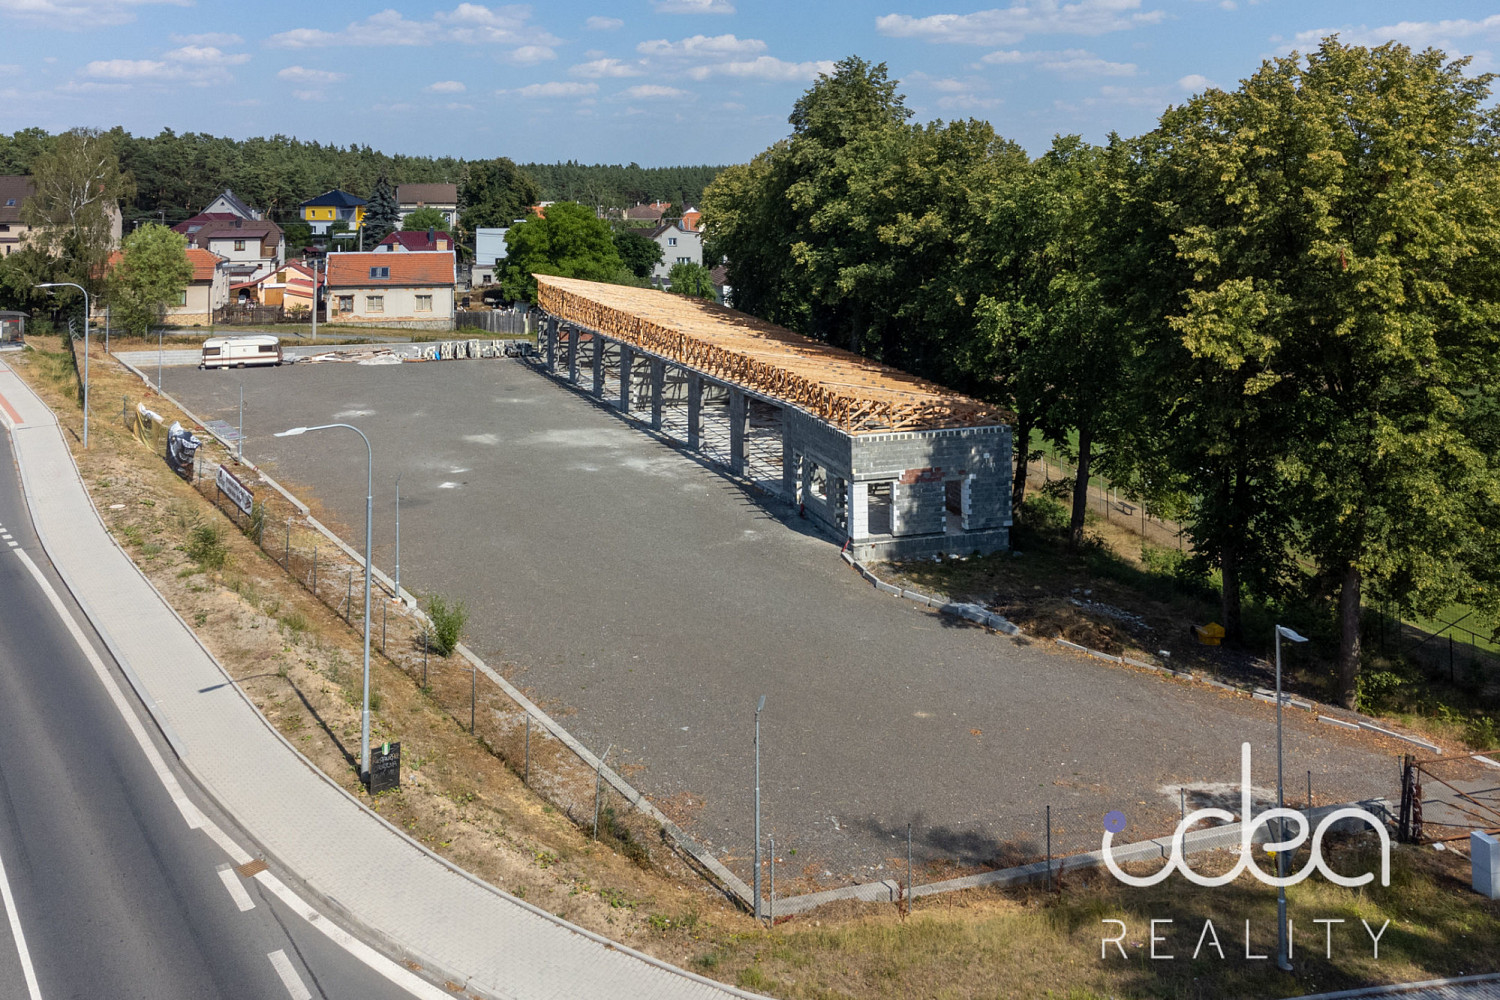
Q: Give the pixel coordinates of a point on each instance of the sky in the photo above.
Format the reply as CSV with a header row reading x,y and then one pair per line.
x,y
656,82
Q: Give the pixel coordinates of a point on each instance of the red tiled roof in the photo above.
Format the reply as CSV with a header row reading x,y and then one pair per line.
x,y
352,270
14,190
416,240
204,263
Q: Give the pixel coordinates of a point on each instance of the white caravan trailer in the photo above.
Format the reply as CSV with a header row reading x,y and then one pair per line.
x,y
237,352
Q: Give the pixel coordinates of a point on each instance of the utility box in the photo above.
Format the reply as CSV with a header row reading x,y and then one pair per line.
x,y
1484,854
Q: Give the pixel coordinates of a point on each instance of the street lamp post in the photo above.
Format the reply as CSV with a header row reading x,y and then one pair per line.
x,y
364,725
1283,960
759,705
85,291
398,534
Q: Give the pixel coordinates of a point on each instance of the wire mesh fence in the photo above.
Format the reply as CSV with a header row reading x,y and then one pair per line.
x,y
1107,503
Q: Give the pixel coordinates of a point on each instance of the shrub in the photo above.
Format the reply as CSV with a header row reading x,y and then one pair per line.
x,y
1044,514
206,546
255,524
448,621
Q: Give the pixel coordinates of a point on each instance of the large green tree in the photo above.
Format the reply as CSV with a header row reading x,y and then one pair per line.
x,y
570,242
79,187
382,213
494,193
692,280
1340,220
423,219
153,271
640,253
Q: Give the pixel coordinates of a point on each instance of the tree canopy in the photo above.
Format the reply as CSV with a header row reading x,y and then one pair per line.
x,y
570,242
423,219
495,193
639,253
153,271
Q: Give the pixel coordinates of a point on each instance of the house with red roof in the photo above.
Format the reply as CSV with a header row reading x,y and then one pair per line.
x,y
413,290
207,290
415,242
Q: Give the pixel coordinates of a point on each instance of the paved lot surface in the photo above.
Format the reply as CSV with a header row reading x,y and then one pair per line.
x,y
658,599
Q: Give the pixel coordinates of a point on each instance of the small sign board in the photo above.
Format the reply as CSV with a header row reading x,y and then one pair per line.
x,y
385,767
238,493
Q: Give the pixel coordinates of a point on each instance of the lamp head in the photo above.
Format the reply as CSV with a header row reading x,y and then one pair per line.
x,y
293,432
761,705
1288,634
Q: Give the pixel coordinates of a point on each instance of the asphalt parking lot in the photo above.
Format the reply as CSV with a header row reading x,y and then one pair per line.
x,y
656,600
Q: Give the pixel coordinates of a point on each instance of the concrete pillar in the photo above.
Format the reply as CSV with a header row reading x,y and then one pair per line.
x,y
736,432
627,356
658,387
550,335
804,471
788,463
598,343
859,511
573,354
1484,862
695,410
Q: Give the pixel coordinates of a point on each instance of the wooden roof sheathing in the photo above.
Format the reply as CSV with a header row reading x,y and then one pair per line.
x,y
854,394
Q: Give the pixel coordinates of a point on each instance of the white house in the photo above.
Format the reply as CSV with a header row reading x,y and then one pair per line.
x,y
443,197
679,245
412,290
489,250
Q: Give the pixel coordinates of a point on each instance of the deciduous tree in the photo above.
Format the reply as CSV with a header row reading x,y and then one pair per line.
x,y
153,271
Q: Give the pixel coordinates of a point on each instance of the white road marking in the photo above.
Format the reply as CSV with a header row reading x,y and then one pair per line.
x,y
32,988
195,819
189,812
289,977
236,889
377,962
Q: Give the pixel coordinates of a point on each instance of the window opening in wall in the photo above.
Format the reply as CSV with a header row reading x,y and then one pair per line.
x,y
424,303
374,303
346,303
879,507
953,503
819,481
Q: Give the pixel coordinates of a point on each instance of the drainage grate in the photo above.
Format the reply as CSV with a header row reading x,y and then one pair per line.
x,y
249,868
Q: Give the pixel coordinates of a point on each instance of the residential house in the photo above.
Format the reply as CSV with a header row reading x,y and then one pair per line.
x,y
14,190
489,250
412,290
415,242
188,227
251,249
647,213
723,291
443,197
207,289
290,286
679,245
227,203
322,212
692,218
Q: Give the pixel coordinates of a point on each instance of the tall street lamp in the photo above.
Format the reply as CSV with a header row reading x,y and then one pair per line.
x,y
398,534
364,725
1283,961
85,291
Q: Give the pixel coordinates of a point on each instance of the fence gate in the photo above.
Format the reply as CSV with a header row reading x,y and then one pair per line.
x,y
1445,798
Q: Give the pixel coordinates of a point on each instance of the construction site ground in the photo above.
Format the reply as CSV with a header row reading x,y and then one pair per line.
x,y
299,663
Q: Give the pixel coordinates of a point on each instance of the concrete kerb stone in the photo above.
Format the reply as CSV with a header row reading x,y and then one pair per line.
x,y
733,883
1400,988
1215,838
1372,727
1330,720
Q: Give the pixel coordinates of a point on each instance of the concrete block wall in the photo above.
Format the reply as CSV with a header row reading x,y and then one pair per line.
x,y
919,508
920,462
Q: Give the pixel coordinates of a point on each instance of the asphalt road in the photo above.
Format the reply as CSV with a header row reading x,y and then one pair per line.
x,y
652,600
115,895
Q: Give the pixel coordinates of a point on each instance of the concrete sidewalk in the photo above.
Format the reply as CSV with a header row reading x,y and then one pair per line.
x,y
398,893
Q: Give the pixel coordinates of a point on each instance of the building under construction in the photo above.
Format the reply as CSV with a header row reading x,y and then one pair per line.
x,y
898,466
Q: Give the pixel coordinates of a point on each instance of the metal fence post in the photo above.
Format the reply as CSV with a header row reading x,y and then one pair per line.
x,y
908,870
1049,848
286,561
349,599
473,695
382,627
424,657
598,787
1309,789
526,774
315,571
772,903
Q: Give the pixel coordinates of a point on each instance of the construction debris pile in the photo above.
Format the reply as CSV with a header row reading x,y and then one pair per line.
x,y
447,350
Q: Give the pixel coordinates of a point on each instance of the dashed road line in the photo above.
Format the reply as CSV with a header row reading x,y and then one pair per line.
x,y
34,990
289,977
236,889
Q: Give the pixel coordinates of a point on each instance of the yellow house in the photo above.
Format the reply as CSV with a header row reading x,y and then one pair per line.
x,y
322,212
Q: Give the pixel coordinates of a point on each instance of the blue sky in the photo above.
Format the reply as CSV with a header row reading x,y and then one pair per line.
x,y
653,81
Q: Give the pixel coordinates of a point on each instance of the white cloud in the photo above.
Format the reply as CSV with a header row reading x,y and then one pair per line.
x,y
466,24
601,68
692,6
529,54
1445,34
765,68
603,23
301,74
652,91
78,14
309,95
1194,83
556,88
208,38
197,65
446,87
1067,62
701,47
968,102
1009,25
207,54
